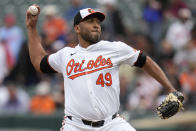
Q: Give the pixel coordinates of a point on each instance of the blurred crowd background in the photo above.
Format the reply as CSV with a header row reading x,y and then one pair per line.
x,y
163,29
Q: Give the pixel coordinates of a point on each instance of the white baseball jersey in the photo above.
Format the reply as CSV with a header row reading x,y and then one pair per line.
x,y
91,79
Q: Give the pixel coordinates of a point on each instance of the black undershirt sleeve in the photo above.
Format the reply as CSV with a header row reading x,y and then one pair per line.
x,y
141,60
45,66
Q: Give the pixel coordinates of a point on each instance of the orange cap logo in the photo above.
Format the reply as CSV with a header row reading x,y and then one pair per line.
x,y
91,10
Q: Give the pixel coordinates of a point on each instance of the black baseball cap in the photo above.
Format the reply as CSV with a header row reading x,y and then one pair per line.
x,y
82,14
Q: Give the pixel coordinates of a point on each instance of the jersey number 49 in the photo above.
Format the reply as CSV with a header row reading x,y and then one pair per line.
x,y
104,80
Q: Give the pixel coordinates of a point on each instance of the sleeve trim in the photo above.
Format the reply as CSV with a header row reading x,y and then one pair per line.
x,y
141,60
45,66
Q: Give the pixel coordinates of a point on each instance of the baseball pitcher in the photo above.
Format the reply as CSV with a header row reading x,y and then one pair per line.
x,y
90,72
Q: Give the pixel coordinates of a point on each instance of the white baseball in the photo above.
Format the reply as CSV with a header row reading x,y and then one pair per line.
x,y
33,10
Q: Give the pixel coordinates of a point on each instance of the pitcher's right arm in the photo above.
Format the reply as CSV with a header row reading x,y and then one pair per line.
x,y
36,50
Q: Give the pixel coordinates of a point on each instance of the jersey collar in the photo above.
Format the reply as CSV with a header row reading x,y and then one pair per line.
x,y
90,47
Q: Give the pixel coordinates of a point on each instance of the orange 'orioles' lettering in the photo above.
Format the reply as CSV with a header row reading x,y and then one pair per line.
x,y
92,66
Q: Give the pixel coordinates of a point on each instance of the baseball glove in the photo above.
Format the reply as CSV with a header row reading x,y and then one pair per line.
x,y
171,105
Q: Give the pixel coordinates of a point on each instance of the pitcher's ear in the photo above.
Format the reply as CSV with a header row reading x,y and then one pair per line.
x,y
77,28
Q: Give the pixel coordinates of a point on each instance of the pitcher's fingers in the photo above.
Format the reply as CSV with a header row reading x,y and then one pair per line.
x,y
28,14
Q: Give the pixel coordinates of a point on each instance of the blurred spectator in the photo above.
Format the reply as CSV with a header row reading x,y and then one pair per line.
x,y
193,37
58,94
74,7
3,63
114,25
167,52
42,102
124,92
175,6
188,83
24,73
4,96
152,14
187,62
12,35
178,33
51,47
54,27
145,94
144,43
15,100
188,54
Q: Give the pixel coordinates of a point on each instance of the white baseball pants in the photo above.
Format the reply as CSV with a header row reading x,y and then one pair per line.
x,y
117,124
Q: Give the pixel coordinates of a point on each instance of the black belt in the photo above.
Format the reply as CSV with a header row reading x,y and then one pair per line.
x,y
94,124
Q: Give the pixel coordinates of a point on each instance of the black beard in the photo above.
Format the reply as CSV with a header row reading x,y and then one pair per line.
x,y
89,38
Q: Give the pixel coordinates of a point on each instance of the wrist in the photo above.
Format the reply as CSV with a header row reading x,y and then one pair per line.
x,y
30,28
171,90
